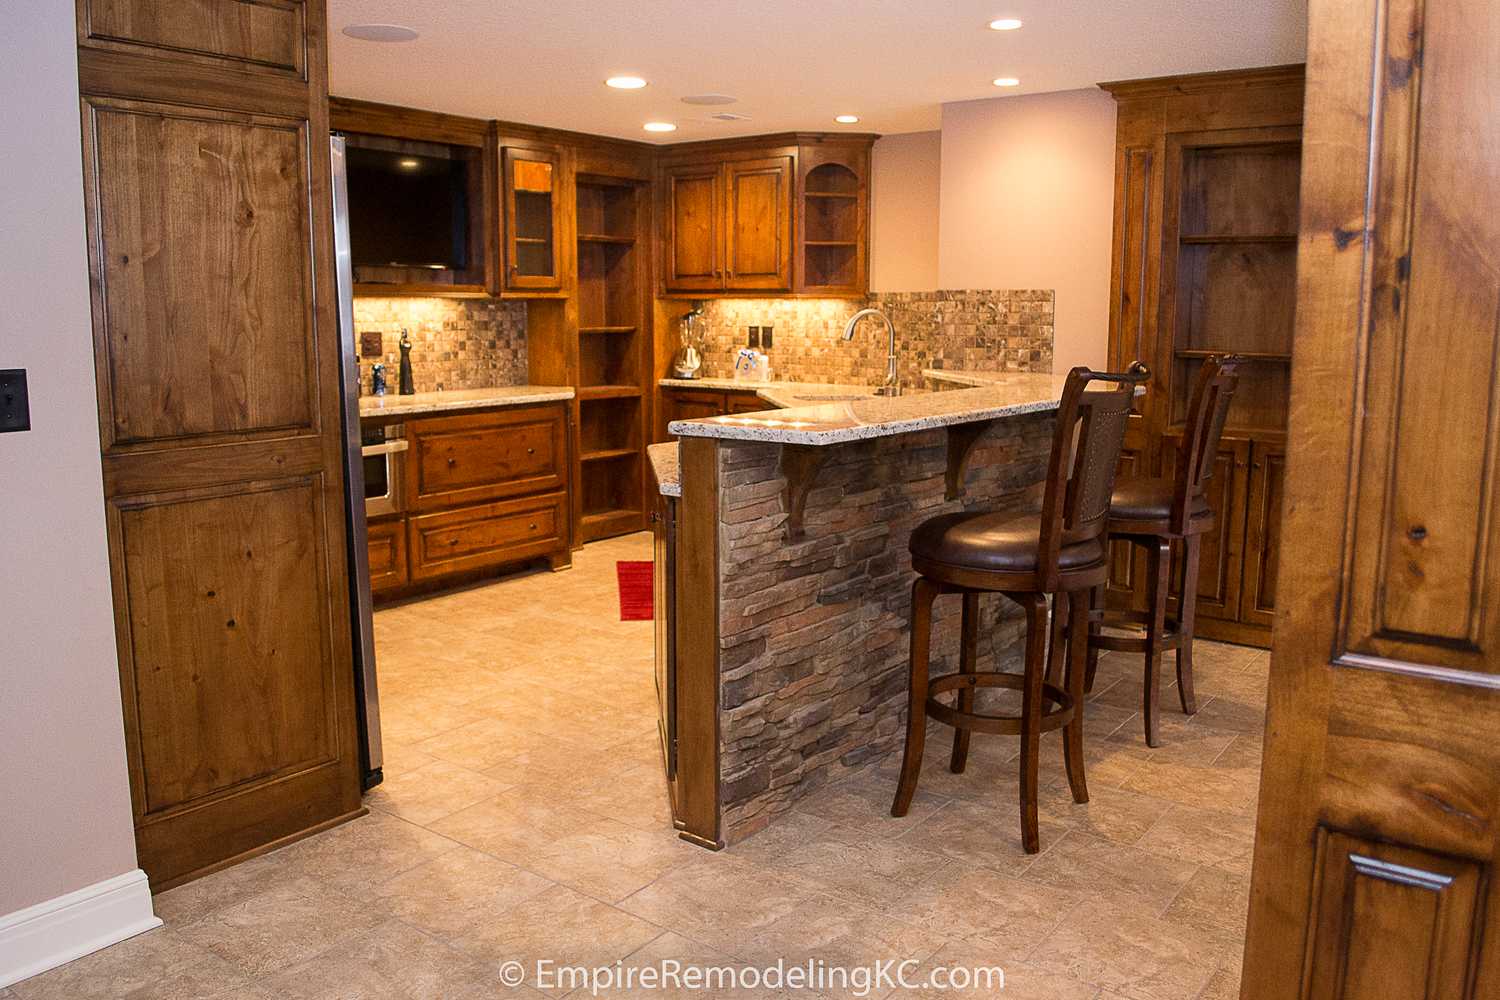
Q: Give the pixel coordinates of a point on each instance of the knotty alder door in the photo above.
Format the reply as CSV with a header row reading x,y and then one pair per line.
x,y
207,200
1379,820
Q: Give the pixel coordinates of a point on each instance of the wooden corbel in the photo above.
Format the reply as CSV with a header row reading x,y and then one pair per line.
x,y
799,467
961,441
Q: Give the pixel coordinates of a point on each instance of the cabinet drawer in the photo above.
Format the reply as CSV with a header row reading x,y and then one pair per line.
x,y
486,535
464,459
387,546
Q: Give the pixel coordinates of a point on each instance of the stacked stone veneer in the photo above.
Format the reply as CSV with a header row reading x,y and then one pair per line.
x,y
814,636
968,330
456,343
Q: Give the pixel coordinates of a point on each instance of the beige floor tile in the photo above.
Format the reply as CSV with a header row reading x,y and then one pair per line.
x,y
557,925
428,793
967,962
982,834
1010,916
1204,836
1215,904
1102,869
1212,787
159,965
482,744
392,962
459,890
720,901
864,803
199,898
299,918
660,954
1124,952
361,854
1224,984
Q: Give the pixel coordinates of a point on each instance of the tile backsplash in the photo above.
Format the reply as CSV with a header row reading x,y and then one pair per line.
x,y
969,330
456,343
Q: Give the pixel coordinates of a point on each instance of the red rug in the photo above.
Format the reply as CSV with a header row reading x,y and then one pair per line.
x,y
635,591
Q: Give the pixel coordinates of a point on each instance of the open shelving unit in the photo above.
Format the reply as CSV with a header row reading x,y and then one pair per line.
x,y
832,213
612,356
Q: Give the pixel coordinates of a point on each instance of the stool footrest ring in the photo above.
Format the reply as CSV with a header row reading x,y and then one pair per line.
x,y
1054,718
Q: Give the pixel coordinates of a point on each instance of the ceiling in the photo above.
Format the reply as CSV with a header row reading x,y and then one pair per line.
x,y
792,64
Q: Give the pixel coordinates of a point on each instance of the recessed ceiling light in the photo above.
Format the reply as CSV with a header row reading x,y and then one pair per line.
x,y
1007,81
660,127
709,99
380,32
408,164
625,82
1005,24
846,119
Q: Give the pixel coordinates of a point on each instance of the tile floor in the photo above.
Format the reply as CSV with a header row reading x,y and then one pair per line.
x,y
524,816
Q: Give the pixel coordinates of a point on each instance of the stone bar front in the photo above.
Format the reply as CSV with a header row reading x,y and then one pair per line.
x,y
794,581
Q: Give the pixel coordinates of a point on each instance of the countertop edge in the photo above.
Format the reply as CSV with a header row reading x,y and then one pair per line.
x,y
500,397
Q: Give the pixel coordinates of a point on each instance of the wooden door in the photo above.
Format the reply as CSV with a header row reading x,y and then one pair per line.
x,y
207,183
694,219
1222,556
758,224
1263,533
532,232
1379,823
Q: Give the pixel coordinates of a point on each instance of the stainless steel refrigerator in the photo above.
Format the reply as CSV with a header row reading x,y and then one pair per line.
x,y
360,607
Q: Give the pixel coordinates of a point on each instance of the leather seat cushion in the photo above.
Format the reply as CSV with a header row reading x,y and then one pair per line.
x,y
994,542
1137,498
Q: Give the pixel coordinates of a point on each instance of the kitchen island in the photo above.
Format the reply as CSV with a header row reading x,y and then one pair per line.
x,y
785,574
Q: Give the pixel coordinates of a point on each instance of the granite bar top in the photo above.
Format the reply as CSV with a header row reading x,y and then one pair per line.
x,y
663,458
969,379
745,385
836,422
452,400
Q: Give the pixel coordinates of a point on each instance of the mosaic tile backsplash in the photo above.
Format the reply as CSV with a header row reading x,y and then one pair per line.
x,y
967,330
456,343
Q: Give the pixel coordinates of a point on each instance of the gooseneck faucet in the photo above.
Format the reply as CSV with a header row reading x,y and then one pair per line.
x,y
892,386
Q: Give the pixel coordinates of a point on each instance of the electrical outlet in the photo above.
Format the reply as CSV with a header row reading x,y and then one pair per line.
x,y
15,407
765,336
753,340
370,345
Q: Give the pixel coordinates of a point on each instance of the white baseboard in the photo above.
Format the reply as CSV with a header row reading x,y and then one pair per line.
x,y
57,931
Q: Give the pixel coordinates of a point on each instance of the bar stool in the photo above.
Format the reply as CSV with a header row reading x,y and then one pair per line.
x,y
1026,558
1153,513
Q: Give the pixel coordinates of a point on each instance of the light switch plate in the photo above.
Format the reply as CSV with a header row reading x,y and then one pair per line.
x,y
15,406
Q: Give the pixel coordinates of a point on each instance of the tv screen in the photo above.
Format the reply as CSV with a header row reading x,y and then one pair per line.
x,y
407,210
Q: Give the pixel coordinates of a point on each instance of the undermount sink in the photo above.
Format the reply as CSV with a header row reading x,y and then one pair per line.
x,y
836,397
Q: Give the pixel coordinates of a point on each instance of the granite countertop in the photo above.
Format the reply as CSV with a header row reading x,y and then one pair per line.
x,y
970,379
663,458
1003,395
744,385
448,400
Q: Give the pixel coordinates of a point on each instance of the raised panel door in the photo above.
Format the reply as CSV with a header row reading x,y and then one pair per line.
x,y
1263,533
694,218
1222,550
1376,840
250,35
533,202
758,224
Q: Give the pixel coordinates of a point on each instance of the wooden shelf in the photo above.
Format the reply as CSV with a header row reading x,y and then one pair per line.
x,y
539,241
606,523
1204,240
829,243
621,241
1197,352
606,329
605,454
588,392
831,194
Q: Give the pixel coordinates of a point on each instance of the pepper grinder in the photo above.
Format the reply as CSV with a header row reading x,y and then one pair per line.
x,y
377,379
407,389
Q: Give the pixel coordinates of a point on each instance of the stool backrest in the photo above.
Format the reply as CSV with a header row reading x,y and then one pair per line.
x,y
1085,455
1208,409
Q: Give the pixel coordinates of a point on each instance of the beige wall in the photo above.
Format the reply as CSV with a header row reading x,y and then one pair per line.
x,y
1027,202
904,190
64,796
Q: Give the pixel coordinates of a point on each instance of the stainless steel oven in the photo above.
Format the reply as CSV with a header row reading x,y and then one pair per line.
x,y
383,450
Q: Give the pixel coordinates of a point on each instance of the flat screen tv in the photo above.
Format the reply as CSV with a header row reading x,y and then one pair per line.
x,y
407,210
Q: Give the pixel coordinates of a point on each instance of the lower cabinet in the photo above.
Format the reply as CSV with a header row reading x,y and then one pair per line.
x,y
696,404
487,490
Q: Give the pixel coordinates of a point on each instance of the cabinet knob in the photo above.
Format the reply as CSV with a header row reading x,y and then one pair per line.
x,y
531,451
452,462
532,526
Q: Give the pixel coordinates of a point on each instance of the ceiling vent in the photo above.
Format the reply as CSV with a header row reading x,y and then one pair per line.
x,y
728,116
708,99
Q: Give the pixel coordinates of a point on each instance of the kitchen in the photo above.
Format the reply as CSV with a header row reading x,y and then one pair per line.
x,y
539,472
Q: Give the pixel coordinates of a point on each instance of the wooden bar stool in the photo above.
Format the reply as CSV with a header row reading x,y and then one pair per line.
x,y
1027,558
1153,513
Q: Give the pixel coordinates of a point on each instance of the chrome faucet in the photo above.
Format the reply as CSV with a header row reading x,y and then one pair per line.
x,y
892,385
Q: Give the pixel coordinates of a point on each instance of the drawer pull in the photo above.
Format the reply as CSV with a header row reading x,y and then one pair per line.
x,y
532,525
452,462
531,451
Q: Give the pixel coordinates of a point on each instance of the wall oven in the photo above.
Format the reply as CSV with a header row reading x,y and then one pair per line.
x,y
383,450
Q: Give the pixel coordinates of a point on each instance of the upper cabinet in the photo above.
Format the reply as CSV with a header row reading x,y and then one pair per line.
x,y
533,223
728,225
785,215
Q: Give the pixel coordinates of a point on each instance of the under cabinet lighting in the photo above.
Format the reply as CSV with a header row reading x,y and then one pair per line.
x,y
1005,24
625,82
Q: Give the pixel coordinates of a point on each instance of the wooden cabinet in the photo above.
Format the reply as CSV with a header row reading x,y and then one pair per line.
x,y
728,225
484,490
1204,262
208,213
833,215
695,404
532,196
387,548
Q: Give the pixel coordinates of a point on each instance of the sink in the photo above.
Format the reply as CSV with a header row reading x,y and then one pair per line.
x,y
836,397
